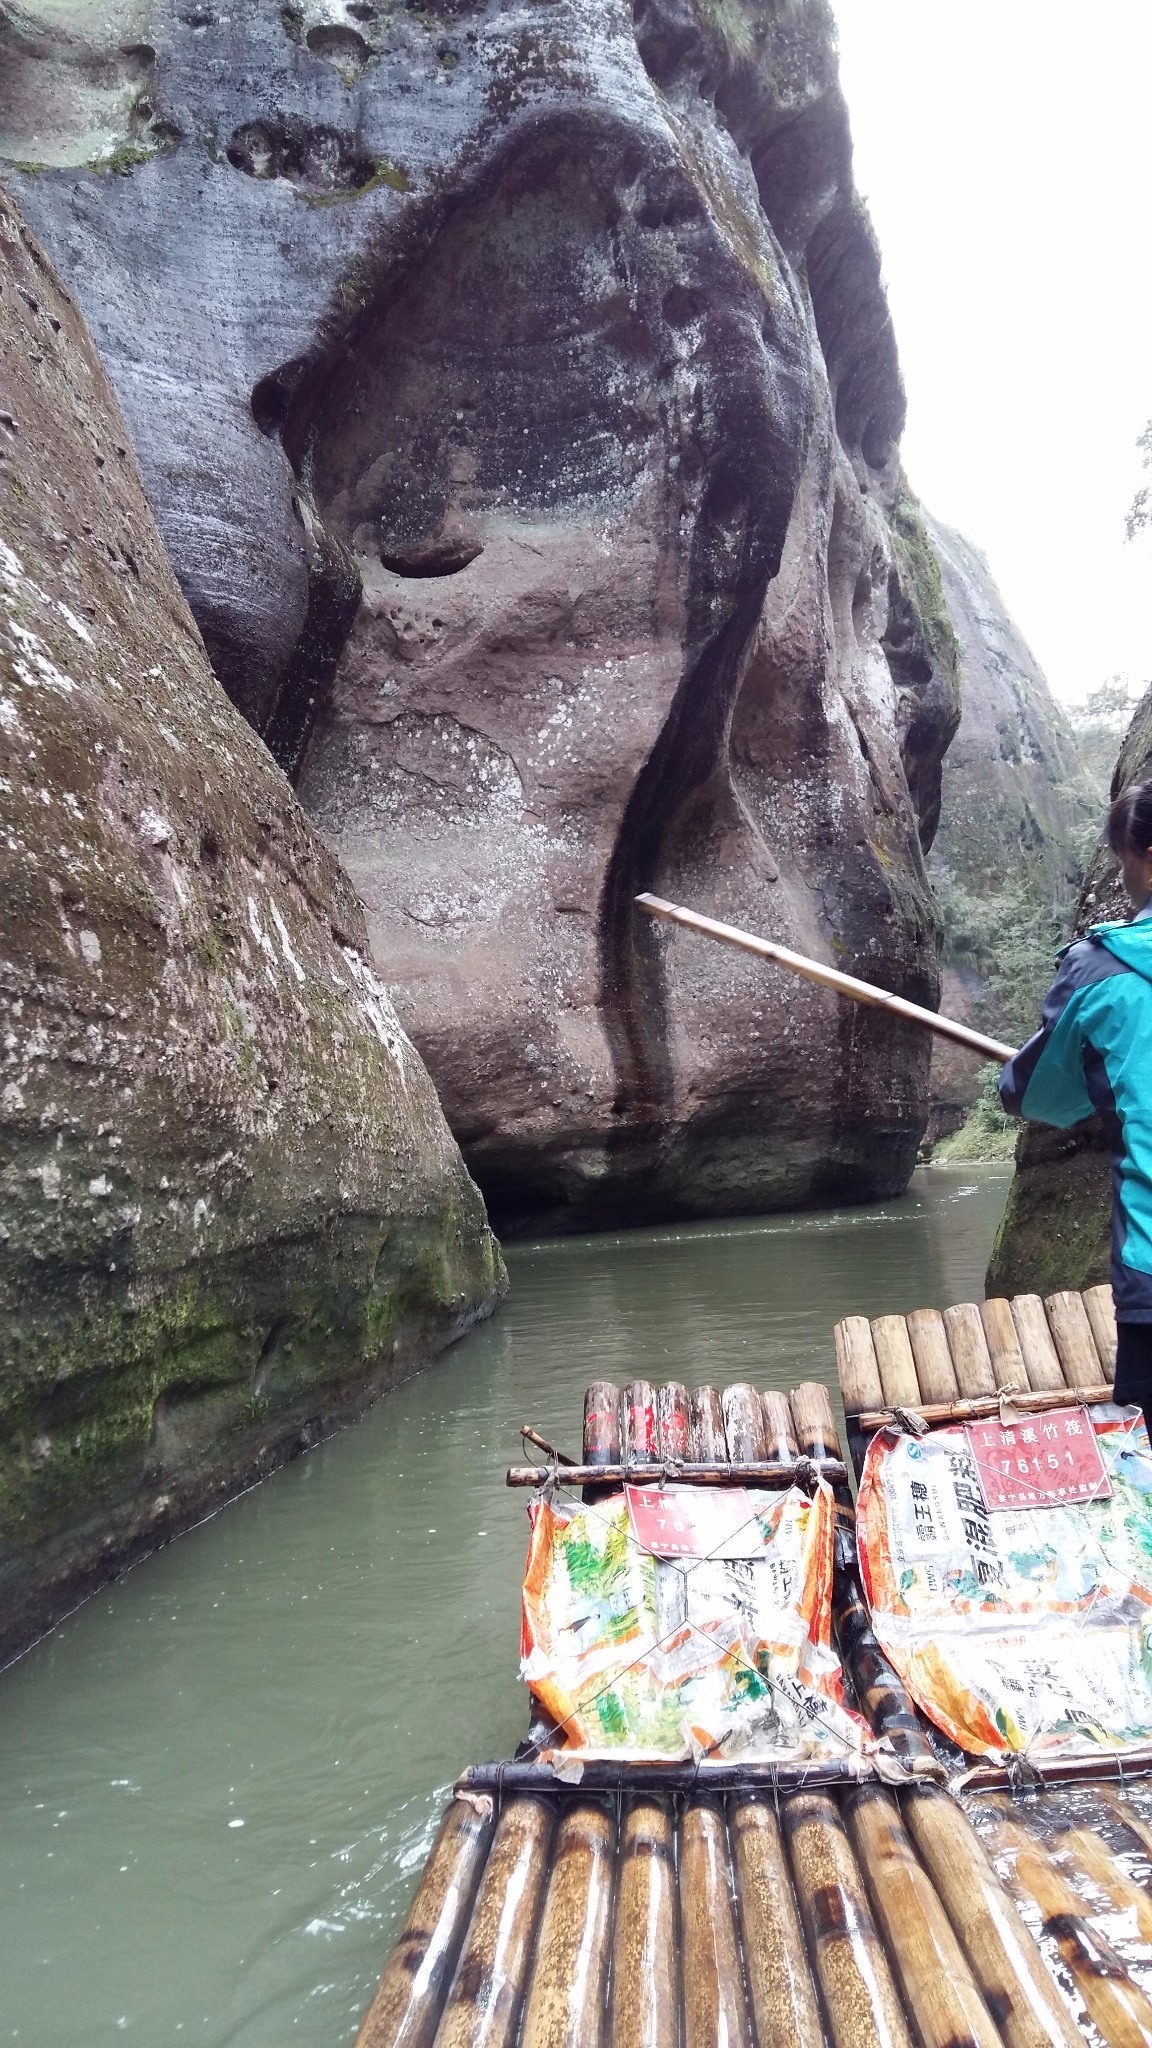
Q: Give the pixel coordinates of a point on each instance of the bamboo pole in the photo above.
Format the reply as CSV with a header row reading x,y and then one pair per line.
x,y
672,1419
645,2000
769,1474
484,2004
1117,2007
707,1442
1000,1948
626,1773
714,2009
939,1993
848,1955
567,1997
406,2009
780,1987
975,1411
533,1436
829,977
744,1424
1085,1848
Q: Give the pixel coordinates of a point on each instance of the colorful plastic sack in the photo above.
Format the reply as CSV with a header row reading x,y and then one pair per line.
x,y
687,1656
1023,1630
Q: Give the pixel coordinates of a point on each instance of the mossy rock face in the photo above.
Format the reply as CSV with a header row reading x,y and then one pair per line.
x,y
1057,1227
232,1207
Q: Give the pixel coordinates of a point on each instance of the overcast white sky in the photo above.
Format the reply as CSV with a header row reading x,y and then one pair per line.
x,y
1004,149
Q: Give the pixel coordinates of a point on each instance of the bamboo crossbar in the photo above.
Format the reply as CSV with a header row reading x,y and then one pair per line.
x,y
829,977
636,1774
772,1473
933,1412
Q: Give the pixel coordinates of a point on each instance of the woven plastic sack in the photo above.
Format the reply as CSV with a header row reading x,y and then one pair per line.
x,y
1023,1630
662,1658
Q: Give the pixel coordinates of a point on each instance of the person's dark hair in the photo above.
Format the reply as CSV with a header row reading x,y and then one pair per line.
x,y
1129,826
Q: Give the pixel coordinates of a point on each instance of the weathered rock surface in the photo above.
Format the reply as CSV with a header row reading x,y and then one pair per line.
x,y
1015,804
519,401
1057,1226
232,1208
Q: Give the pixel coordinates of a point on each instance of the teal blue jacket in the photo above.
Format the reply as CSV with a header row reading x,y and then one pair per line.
x,y
1093,1051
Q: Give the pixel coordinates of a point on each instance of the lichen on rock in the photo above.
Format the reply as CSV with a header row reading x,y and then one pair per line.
x,y
232,1208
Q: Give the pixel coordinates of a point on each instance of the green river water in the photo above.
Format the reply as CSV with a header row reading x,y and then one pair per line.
x,y
219,1778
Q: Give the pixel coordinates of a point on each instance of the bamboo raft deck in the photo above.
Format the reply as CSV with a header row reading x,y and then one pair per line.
x,y
861,1904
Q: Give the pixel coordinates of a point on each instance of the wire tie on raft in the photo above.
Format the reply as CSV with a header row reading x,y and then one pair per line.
x,y
910,1421
1009,1413
480,1802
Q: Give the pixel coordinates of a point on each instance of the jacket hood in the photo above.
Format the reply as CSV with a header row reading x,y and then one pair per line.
x,y
1131,943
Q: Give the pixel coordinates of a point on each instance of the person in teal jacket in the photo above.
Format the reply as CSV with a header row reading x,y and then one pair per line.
x,y
1093,1051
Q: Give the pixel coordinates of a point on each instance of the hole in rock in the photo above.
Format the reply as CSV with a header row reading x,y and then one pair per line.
x,y
139,59
343,47
681,307
315,159
360,12
439,558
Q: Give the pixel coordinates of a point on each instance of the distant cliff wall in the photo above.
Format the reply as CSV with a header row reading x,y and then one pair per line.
x,y
520,405
1017,815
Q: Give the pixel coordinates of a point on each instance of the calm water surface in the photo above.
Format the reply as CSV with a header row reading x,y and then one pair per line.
x,y
219,1778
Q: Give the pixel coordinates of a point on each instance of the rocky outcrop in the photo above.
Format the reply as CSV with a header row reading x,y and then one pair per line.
x,y
1056,1230
520,404
232,1208
1015,812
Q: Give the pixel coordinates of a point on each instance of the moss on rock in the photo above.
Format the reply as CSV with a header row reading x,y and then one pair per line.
x,y
232,1208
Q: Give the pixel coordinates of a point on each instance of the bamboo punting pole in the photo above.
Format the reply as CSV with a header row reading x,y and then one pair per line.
x,y
780,1984
939,1992
645,2000
406,2009
1000,1948
860,1998
974,1411
483,2007
769,1474
714,2008
1117,2007
1084,1848
828,977
570,1973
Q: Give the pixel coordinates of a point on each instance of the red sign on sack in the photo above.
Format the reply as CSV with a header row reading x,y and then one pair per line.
x,y
687,1521
1045,1460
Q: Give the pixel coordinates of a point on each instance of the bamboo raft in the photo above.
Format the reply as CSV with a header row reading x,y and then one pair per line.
x,y
856,1902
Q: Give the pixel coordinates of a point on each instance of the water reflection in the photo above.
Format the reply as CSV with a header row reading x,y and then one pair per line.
x,y
218,1779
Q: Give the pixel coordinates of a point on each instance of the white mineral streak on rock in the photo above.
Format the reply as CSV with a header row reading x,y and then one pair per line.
x,y
285,941
376,1004
91,949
